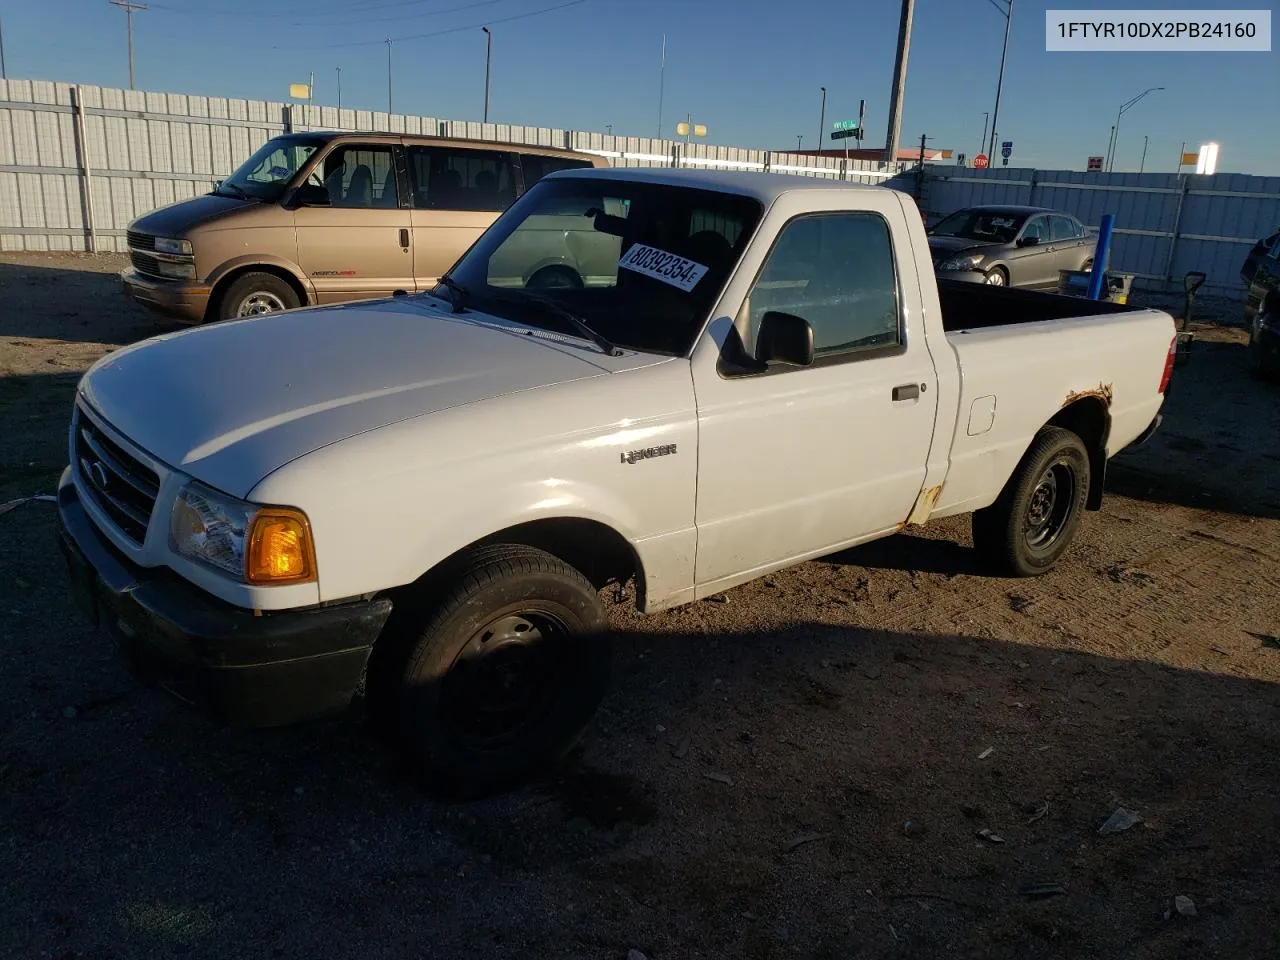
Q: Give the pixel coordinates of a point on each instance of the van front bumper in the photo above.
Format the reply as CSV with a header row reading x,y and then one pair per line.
x,y
269,669
177,299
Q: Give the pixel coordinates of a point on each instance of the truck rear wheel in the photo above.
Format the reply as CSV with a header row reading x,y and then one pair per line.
x,y
1037,514
506,671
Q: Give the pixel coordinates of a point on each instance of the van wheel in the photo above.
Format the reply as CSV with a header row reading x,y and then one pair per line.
x,y
504,672
1037,514
254,294
555,277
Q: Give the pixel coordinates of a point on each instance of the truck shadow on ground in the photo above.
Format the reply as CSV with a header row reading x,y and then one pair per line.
x,y
807,790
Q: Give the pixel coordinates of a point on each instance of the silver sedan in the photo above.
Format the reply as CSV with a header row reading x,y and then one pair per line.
x,y
1011,245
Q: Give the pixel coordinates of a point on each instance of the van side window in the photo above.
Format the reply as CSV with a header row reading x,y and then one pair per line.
x,y
836,271
536,166
453,178
361,175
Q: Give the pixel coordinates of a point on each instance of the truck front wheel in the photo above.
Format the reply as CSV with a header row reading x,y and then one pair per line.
x,y
506,671
1037,514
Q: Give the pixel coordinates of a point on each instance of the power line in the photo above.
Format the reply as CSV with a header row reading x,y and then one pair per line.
x,y
434,33
398,18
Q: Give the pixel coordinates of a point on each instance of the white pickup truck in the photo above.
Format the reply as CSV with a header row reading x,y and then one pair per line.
x,y
421,498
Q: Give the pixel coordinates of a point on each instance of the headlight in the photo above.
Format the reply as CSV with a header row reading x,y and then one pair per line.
x,y
967,262
178,271
166,245
254,543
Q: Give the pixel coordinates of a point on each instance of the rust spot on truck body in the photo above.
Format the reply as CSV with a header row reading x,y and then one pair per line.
x,y
924,505
1102,391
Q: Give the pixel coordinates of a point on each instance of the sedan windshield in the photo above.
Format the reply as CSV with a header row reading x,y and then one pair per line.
x,y
983,226
265,175
640,263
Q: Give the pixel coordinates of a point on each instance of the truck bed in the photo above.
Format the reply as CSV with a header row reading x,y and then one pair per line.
x,y
973,306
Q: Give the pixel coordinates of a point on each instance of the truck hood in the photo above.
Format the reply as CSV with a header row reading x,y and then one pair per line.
x,y
230,403
177,218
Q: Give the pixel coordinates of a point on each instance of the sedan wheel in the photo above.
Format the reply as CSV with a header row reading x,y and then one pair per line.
x,y
996,277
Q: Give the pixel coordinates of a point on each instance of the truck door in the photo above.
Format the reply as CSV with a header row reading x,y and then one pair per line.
x,y
797,461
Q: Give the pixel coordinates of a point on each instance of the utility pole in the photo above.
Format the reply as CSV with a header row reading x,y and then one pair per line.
x,y
899,81
799,138
339,70
995,113
662,77
3,74
488,57
388,75
986,117
128,6
822,122
311,87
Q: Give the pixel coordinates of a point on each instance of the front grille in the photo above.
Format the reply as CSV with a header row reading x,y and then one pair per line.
x,y
119,483
140,241
145,264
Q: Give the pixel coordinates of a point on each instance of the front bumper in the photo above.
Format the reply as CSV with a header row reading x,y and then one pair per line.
x,y
178,299
264,669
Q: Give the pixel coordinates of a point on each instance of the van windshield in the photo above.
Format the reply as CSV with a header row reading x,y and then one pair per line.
x,y
642,263
265,175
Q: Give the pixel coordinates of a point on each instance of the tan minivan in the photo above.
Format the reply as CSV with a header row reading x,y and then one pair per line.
x,y
315,218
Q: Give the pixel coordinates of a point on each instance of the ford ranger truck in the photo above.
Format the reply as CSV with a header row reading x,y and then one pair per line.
x,y
682,380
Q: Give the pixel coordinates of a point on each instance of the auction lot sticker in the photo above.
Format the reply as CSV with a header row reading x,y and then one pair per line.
x,y
663,266
1131,31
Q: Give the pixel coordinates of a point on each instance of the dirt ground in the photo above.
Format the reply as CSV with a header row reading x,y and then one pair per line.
x,y
801,770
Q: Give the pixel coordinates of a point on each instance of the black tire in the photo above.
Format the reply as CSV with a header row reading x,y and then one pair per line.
x,y
257,293
504,672
1261,366
1037,514
557,276
1087,266
997,277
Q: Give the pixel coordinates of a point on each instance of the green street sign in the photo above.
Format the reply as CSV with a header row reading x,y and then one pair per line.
x,y
845,125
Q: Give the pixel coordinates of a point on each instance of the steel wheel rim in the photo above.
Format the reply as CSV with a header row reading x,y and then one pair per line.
x,y
258,303
502,683
1050,506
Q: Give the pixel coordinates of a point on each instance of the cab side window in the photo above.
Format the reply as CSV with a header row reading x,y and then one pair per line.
x,y
360,175
450,178
837,272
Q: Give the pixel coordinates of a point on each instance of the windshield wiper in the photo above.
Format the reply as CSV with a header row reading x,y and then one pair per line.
x,y
240,192
458,294
580,326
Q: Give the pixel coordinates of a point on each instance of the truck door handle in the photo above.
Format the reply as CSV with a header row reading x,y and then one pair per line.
x,y
906,391
404,237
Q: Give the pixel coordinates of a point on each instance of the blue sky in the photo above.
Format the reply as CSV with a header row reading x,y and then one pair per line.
x,y
749,69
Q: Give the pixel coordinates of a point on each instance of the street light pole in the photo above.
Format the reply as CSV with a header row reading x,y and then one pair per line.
x,y
488,58
1143,164
662,77
1004,50
1124,107
388,75
986,118
3,74
822,121
128,6
339,70
799,137
899,81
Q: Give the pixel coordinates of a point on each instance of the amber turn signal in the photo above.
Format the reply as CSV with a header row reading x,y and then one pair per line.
x,y
280,547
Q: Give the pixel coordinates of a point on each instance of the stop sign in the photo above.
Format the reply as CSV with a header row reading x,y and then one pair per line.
x,y
980,161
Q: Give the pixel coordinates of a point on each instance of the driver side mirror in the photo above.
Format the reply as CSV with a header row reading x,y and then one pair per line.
x,y
310,195
784,338
1029,241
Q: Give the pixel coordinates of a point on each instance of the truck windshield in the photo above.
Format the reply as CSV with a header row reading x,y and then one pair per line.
x,y
265,175
984,226
641,263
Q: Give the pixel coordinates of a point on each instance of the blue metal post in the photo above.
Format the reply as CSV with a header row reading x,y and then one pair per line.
x,y
1100,256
